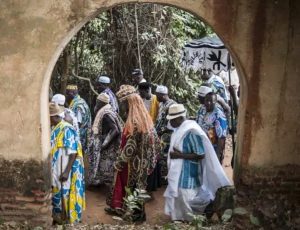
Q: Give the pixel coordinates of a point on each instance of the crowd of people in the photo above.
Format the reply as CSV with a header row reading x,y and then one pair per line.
x,y
154,145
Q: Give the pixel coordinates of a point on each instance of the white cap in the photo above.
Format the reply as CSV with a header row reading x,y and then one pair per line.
x,y
104,97
161,89
59,99
176,110
204,90
104,79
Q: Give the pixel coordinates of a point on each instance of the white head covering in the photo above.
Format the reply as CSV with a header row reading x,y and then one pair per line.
x,y
104,79
104,98
176,110
59,99
162,89
204,90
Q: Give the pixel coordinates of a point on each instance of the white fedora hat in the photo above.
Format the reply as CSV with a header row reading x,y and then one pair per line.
x,y
176,110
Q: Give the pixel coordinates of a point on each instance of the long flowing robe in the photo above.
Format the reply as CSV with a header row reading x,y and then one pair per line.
x,y
212,176
136,161
101,162
165,136
82,111
214,124
68,196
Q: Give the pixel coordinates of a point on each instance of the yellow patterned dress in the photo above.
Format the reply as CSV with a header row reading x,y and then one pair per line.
x,y
68,197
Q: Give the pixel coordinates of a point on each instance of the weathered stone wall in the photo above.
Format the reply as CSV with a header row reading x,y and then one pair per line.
x,y
263,37
25,192
270,194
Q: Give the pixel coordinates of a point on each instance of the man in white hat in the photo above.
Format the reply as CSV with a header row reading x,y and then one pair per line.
x,y
67,170
190,188
69,115
162,94
104,143
204,90
103,83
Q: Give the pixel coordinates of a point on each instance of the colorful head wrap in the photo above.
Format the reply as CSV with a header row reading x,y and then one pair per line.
x,y
72,87
104,97
125,91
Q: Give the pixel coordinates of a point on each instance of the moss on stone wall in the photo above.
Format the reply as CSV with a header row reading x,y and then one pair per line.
x,y
25,176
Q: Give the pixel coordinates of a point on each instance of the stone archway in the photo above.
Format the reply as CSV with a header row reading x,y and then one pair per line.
x,y
203,15
264,47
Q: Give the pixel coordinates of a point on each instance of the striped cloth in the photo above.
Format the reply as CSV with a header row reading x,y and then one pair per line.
x,y
189,178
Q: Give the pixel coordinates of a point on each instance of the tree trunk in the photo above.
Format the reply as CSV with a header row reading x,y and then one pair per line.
x,y
65,72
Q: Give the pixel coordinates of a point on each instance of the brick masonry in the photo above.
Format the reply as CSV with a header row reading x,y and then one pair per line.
x,y
270,194
25,192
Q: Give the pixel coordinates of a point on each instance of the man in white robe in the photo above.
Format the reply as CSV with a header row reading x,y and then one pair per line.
x,y
195,173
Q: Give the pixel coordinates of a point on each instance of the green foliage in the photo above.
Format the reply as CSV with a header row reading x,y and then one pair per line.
x,y
134,201
170,226
198,222
108,44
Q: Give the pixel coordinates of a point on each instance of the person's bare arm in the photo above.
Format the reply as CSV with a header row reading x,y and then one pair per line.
x,y
234,99
220,146
65,175
223,103
176,154
112,133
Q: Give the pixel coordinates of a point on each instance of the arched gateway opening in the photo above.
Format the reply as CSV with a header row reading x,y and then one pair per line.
x,y
93,196
101,42
203,15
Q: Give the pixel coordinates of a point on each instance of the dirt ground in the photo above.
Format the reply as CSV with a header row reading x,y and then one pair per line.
x,y
95,197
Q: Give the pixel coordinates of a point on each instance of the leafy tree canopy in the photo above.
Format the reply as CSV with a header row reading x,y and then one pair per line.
x,y
108,44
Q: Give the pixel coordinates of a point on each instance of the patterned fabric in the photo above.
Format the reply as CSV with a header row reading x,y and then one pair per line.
x,y
218,87
101,162
113,100
213,123
83,114
68,196
74,119
189,178
136,161
152,106
162,122
165,136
